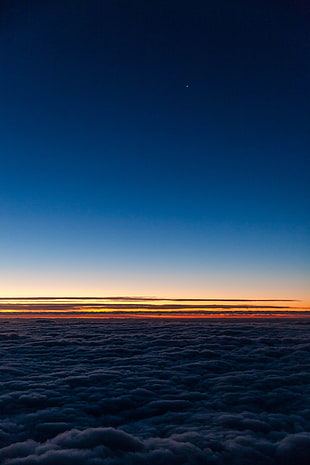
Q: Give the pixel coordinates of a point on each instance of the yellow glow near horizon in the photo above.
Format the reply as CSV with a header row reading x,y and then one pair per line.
x,y
142,306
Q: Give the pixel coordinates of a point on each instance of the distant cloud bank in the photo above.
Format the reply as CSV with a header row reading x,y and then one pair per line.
x,y
126,306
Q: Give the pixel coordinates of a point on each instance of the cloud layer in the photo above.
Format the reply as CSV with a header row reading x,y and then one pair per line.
x,y
115,392
127,306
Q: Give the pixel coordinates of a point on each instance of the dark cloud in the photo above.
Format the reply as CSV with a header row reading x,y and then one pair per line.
x,y
138,299
124,305
156,307
114,392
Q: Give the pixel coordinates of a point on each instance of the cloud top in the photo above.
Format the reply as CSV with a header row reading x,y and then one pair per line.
x,y
97,392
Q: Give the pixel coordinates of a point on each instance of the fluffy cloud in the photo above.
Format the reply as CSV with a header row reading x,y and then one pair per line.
x,y
114,392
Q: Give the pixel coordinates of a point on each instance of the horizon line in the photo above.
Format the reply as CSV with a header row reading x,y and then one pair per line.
x,y
151,298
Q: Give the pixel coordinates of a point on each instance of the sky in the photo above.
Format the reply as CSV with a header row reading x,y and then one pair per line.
x,y
155,149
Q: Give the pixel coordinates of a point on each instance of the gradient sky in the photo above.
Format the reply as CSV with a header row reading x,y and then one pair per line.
x,y
155,148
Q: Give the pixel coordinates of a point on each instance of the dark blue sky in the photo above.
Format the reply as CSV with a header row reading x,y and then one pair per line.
x,y
165,139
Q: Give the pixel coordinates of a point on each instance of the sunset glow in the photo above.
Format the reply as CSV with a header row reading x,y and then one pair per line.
x,y
120,307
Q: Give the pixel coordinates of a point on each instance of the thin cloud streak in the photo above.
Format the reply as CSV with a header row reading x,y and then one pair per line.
x,y
174,313
126,306
130,307
148,299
